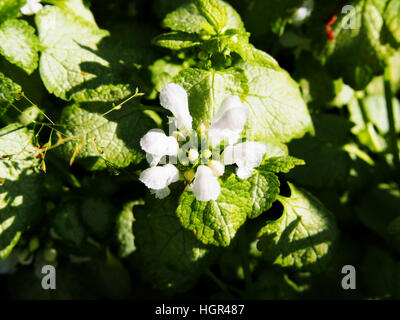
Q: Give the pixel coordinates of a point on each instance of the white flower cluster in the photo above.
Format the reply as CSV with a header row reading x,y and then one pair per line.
x,y
227,125
31,7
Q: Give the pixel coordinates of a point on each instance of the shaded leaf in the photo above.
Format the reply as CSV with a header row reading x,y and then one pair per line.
x,y
8,92
124,232
216,222
303,236
10,9
19,185
172,258
104,141
263,192
70,65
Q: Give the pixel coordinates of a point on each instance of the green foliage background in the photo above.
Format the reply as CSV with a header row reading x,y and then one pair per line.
x,y
79,84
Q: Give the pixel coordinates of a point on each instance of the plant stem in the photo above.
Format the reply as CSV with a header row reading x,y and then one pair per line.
x,y
390,113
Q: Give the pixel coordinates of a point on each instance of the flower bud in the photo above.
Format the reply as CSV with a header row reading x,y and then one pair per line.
x,y
207,154
193,155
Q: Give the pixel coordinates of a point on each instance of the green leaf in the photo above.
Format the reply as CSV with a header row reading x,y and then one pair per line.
x,y
357,54
10,9
271,284
302,236
67,224
376,113
8,92
19,185
221,31
98,215
172,258
385,283
204,17
215,12
76,6
392,18
110,277
19,44
70,65
263,192
123,230
378,210
105,141
276,109
216,222
162,72
280,164
240,44
177,40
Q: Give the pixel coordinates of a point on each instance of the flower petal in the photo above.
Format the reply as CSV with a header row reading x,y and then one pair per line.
x,y
229,121
217,167
31,7
244,172
206,186
173,173
158,144
158,178
247,156
174,98
162,193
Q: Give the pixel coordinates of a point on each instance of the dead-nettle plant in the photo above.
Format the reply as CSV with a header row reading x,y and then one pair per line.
x,y
202,153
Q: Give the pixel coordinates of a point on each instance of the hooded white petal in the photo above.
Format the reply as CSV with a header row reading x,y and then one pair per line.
x,y
247,156
162,193
244,172
174,98
217,167
31,7
158,144
206,186
158,178
229,121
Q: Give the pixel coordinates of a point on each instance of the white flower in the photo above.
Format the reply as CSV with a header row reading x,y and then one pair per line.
x,y
229,121
159,178
157,144
31,7
217,167
227,125
206,186
247,156
303,12
174,98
